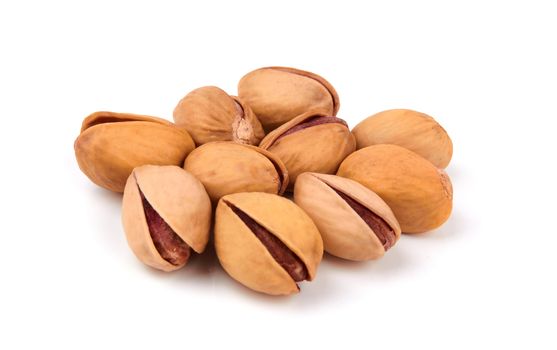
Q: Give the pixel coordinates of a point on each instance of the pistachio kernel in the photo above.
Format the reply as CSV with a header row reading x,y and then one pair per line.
x,y
170,246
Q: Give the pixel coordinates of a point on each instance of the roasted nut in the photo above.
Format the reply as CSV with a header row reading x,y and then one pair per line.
x,y
413,130
266,242
210,114
313,141
354,222
110,145
165,212
278,94
227,167
419,194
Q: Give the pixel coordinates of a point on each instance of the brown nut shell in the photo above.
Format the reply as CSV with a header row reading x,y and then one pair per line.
x,y
249,260
413,130
355,231
210,114
278,94
419,194
313,141
111,145
165,212
227,167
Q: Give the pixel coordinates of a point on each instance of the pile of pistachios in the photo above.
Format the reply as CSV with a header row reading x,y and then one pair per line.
x,y
273,174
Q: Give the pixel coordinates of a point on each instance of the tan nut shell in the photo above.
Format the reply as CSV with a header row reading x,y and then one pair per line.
x,y
112,144
345,234
413,130
246,259
210,114
178,197
227,167
278,94
419,194
319,148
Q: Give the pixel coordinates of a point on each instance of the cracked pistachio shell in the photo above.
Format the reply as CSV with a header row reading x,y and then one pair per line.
x,y
413,130
278,94
313,141
210,114
227,167
419,194
111,144
246,259
178,198
345,233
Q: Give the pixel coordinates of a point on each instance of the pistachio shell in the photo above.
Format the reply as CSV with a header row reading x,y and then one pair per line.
x,y
181,202
246,259
413,130
110,145
303,146
112,117
419,194
345,233
278,94
227,167
210,114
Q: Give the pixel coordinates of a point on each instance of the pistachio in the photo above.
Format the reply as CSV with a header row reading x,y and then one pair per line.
x,y
210,114
266,242
313,141
166,213
419,194
111,144
354,222
227,167
278,94
413,130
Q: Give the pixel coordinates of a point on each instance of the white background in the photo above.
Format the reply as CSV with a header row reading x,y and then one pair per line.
x,y
485,70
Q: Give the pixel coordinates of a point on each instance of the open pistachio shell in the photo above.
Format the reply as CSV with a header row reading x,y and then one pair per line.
x,y
111,144
313,141
413,130
278,94
355,223
165,212
266,242
227,167
419,194
210,114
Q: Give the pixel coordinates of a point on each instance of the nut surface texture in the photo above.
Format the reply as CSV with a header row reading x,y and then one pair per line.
x,y
278,94
413,130
266,242
210,114
419,194
355,223
166,213
227,167
111,145
313,141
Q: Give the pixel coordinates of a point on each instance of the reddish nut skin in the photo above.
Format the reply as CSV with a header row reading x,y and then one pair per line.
x,y
166,215
169,245
249,252
280,252
354,222
380,227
